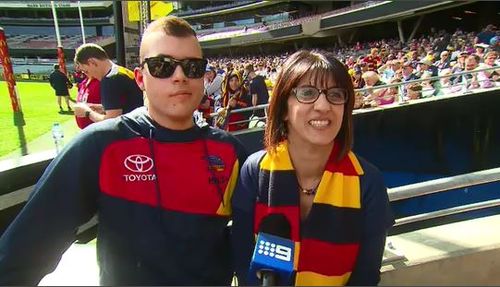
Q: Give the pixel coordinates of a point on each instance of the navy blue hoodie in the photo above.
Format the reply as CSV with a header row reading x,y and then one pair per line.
x,y
163,200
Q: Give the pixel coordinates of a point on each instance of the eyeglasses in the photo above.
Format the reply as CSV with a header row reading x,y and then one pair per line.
x,y
310,94
163,67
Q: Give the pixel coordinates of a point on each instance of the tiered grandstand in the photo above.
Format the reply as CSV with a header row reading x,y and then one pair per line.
x,y
303,24
29,26
227,28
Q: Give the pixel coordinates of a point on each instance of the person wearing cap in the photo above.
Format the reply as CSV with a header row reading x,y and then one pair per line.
x,y
408,74
426,65
459,65
480,49
212,92
429,70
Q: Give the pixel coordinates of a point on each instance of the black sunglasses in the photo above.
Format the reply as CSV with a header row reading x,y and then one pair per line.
x,y
310,94
164,67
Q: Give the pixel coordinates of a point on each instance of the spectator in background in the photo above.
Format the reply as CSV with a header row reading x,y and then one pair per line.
x,y
391,94
428,88
234,96
60,83
446,82
408,74
388,70
372,79
79,76
89,93
119,91
414,91
459,65
485,36
495,43
211,100
257,89
480,48
444,61
372,60
471,79
426,66
490,62
357,79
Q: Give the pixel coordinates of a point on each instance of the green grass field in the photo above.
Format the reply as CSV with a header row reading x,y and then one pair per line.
x,y
40,110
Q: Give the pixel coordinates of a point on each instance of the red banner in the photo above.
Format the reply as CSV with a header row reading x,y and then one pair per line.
x,y
8,72
60,59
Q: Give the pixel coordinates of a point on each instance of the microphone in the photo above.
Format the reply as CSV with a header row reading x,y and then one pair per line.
x,y
273,256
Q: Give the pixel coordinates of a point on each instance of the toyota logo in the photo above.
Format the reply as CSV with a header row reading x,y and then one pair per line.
x,y
138,163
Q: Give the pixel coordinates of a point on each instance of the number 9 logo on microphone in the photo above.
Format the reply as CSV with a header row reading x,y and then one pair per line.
x,y
273,250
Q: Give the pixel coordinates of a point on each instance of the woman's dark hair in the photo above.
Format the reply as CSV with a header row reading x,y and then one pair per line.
x,y
321,66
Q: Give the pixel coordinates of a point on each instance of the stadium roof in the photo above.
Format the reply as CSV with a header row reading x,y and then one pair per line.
x,y
58,4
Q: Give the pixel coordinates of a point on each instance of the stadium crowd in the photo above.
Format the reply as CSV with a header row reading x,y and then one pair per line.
x,y
373,64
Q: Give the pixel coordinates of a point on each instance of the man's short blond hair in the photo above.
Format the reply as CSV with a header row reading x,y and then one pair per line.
x,y
170,25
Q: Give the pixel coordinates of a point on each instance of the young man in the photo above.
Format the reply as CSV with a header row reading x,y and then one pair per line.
x,y
258,89
60,83
161,186
120,94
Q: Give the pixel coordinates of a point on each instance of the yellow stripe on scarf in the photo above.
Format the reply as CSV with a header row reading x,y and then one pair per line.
x,y
339,190
280,160
307,278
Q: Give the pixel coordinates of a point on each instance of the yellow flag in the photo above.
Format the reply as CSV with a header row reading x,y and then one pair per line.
x,y
160,8
133,11
157,8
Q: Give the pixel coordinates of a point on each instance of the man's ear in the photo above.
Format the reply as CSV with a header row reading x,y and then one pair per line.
x,y
139,78
92,61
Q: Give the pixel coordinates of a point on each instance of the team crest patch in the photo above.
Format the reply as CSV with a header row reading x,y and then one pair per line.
x,y
216,163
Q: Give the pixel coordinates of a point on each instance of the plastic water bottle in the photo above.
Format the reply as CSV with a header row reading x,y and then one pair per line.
x,y
58,136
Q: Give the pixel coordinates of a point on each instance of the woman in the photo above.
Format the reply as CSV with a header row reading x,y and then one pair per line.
x,y
336,203
234,96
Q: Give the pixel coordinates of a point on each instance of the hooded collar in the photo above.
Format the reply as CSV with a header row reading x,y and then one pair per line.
x,y
140,123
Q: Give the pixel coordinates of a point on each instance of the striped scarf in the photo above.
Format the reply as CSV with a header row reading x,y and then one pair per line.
x,y
327,241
